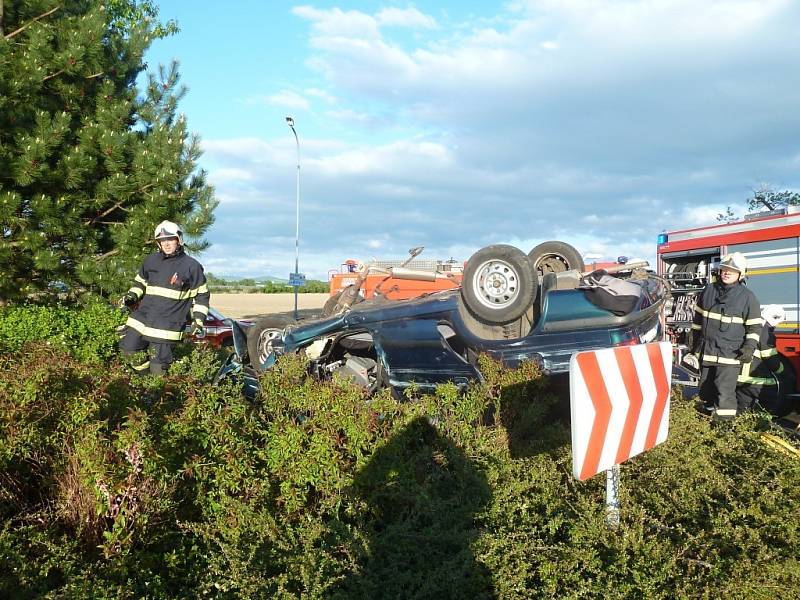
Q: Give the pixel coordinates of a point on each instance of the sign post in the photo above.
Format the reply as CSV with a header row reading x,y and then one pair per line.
x,y
296,280
612,497
619,404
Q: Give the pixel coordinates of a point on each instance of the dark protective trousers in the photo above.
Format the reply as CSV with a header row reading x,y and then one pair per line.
x,y
775,399
718,388
133,343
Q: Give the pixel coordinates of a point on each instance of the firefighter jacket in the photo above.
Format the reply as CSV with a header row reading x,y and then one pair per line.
x,y
169,287
766,361
726,320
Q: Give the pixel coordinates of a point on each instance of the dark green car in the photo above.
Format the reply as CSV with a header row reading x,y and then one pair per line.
x,y
436,338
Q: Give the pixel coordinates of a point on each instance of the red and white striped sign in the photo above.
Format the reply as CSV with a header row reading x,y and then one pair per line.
x,y
619,402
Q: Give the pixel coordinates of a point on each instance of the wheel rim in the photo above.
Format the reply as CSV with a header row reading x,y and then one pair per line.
x,y
552,263
496,284
265,343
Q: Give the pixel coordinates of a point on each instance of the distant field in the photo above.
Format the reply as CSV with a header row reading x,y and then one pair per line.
x,y
253,305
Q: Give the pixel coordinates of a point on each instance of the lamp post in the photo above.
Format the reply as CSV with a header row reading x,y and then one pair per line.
x,y
290,123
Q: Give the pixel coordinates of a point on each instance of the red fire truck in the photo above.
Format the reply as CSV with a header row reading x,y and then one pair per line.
x,y
771,243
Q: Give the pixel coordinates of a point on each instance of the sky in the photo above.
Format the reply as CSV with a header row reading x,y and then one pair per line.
x,y
459,124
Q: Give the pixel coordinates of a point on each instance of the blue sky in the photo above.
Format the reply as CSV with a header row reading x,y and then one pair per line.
x,y
456,125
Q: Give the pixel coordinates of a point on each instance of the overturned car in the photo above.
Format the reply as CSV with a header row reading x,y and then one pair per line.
x,y
437,338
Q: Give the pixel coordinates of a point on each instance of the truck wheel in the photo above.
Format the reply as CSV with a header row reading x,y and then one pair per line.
x,y
261,335
555,257
499,284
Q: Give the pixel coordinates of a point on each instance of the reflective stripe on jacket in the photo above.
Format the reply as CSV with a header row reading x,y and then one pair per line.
x,y
727,318
766,361
170,287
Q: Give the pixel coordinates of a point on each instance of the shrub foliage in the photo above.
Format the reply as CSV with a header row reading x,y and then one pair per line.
x,y
117,487
87,334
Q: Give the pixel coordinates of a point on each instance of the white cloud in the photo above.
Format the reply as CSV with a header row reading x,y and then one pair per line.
x,y
287,99
321,94
696,216
378,160
362,119
405,17
336,23
230,174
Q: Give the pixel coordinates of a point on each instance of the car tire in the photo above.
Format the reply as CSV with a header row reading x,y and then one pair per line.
x,y
499,284
555,257
260,336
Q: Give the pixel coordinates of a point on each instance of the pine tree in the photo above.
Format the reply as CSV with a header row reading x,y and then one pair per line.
x,y
765,198
88,165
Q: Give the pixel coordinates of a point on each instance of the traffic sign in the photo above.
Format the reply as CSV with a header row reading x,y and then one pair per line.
x,y
297,279
619,403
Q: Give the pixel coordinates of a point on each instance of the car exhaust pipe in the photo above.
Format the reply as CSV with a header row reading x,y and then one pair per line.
x,y
639,264
417,274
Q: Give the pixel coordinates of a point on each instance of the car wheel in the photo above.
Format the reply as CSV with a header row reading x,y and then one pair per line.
x,y
555,257
499,284
261,335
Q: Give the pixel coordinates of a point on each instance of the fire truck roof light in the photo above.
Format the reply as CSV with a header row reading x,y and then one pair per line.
x,y
662,238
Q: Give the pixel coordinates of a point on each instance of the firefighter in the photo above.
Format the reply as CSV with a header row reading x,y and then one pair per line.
x,y
170,284
726,329
766,381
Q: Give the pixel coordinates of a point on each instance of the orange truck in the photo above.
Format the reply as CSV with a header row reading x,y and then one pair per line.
x,y
398,280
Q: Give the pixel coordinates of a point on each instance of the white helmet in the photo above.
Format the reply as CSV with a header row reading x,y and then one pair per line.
x,y
166,230
735,262
773,314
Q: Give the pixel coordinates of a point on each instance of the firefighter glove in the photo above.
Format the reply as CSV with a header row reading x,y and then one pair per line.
x,y
198,329
691,363
128,300
746,354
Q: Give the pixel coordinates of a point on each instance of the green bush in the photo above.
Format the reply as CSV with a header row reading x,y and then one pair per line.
x,y
249,286
118,487
85,332
311,286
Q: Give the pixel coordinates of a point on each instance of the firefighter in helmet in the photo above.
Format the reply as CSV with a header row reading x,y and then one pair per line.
x,y
766,381
169,287
725,332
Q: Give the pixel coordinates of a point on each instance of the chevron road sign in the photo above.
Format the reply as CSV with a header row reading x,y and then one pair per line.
x,y
619,403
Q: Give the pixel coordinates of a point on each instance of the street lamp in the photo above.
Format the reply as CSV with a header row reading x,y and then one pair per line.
x,y
290,123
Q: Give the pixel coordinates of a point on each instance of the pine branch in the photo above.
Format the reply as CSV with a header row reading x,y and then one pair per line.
x,y
106,255
31,22
106,213
56,74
